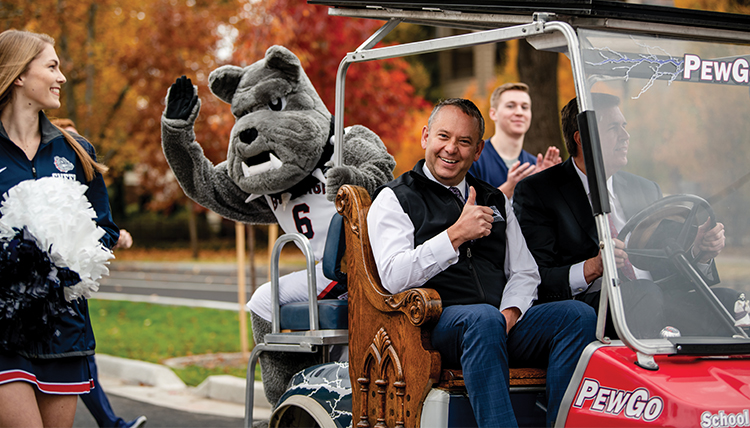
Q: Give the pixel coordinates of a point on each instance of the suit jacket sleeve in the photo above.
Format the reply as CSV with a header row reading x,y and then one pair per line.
x,y
540,225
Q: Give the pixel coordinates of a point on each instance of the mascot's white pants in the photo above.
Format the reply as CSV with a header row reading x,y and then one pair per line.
x,y
292,288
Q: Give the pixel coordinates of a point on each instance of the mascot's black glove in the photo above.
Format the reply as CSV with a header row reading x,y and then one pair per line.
x,y
181,100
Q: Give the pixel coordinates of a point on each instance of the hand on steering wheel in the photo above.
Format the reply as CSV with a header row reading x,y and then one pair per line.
x,y
708,242
670,226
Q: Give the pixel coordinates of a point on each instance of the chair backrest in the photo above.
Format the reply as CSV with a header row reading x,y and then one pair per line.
x,y
334,250
392,365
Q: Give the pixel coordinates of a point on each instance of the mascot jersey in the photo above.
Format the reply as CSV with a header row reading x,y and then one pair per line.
x,y
309,214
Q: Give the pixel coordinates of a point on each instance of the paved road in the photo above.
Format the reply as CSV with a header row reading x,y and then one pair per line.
x,y
216,282
157,416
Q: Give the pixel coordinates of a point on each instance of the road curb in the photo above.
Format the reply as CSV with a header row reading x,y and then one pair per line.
x,y
168,301
232,389
139,372
186,268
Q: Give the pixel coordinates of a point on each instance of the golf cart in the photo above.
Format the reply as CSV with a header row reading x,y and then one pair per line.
x,y
683,82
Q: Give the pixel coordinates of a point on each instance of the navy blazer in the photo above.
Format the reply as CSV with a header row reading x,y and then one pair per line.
x,y
556,219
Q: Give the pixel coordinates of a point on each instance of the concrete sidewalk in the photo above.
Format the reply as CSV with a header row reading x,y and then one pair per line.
x,y
158,385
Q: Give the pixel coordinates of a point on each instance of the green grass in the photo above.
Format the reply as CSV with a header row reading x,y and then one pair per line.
x,y
154,333
194,375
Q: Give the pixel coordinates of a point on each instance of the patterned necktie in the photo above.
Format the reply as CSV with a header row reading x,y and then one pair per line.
x,y
627,270
457,193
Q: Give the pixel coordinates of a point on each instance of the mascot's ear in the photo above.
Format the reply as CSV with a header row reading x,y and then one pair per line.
x,y
224,80
282,59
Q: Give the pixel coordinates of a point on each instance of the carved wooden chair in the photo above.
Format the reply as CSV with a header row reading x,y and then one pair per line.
x,y
392,365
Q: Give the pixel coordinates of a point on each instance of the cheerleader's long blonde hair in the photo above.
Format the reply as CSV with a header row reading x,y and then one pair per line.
x,y
17,50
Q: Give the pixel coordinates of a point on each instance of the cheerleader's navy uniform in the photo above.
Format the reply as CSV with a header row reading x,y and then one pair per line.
x,y
58,366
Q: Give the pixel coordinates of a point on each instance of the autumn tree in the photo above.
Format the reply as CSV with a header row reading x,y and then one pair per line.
x,y
119,59
378,93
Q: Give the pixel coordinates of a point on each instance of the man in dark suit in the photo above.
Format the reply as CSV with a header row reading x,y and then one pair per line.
x,y
554,211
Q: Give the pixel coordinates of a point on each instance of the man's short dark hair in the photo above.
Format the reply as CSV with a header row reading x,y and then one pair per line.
x,y
569,117
466,106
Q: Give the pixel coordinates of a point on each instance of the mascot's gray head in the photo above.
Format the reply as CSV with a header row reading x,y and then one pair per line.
x,y
282,125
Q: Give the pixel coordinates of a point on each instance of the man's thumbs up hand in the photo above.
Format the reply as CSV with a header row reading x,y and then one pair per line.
x,y
475,222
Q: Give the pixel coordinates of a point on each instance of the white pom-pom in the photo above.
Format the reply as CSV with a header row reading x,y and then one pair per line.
x,y
58,214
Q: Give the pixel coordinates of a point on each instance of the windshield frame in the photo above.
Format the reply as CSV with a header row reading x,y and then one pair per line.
x,y
545,32
611,295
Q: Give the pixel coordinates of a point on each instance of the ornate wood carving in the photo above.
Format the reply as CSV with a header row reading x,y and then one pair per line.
x,y
383,359
386,331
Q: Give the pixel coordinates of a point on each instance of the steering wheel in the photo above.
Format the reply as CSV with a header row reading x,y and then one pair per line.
x,y
663,228
661,236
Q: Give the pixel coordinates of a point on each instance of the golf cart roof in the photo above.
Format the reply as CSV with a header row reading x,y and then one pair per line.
x,y
486,14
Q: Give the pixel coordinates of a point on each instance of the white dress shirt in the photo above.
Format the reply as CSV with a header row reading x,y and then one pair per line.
x,y
402,266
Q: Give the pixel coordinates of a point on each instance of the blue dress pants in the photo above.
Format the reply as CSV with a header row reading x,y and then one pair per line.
x,y
550,335
98,403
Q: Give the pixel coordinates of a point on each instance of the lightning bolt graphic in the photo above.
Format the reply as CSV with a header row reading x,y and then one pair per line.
x,y
661,66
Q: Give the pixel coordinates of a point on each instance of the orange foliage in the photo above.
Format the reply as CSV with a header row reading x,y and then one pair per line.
x,y
119,59
378,93
566,89
411,150
714,5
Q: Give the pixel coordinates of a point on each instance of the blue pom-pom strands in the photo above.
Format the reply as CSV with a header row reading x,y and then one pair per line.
x,y
32,292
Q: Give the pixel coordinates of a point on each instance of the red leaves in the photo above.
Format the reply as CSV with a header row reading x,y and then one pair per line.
x,y
378,94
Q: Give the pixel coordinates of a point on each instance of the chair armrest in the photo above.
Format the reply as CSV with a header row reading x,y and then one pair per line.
x,y
422,306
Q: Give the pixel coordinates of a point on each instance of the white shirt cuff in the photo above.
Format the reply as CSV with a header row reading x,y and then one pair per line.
x,y
576,279
442,250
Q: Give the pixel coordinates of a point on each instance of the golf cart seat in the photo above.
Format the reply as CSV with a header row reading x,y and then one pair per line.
x,y
392,364
332,311
307,327
332,314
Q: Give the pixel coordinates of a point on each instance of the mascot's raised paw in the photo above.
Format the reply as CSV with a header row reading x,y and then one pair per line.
x,y
181,99
278,166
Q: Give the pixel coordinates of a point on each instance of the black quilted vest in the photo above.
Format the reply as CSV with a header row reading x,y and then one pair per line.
x,y
478,276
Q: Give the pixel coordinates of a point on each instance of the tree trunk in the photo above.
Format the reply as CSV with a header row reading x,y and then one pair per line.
x,y
90,68
538,69
251,256
62,46
193,226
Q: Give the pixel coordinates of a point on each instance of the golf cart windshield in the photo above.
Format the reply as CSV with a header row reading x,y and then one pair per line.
x,y
673,131
665,99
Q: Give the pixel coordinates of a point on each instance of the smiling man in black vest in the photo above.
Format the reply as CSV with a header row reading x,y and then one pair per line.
x,y
437,226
